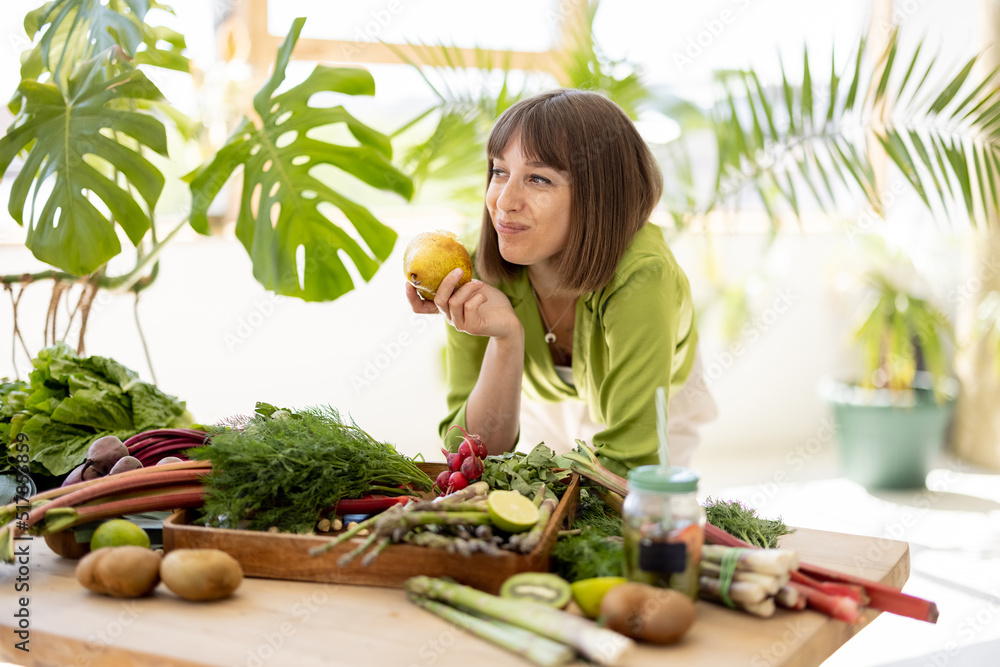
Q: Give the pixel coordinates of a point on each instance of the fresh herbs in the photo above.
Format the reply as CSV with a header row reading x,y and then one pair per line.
x,y
598,550
285,468
741,521
525,473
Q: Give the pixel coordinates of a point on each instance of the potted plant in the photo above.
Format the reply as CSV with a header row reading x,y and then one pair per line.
x,y
88,153
891,418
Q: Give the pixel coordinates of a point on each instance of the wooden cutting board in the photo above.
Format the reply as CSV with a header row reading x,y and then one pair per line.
x,y
271,622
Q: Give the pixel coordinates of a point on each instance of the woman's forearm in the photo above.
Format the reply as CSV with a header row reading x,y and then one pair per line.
x,y
494,406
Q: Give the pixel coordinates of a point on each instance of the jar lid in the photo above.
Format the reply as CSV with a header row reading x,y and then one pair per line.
x,y
674,480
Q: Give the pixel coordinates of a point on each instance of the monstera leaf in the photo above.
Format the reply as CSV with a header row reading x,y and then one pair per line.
x,y
58,132
74,31
294,246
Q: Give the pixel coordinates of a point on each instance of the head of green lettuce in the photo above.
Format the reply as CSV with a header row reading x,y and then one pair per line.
x,y
69,401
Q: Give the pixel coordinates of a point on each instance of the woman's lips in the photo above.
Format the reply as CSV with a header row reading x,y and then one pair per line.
x,y
510,228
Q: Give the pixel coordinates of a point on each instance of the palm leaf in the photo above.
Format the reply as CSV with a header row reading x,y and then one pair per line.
x,y
943,137
295,248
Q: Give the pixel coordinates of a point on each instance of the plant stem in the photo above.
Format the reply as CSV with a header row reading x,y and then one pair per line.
x,y
122,283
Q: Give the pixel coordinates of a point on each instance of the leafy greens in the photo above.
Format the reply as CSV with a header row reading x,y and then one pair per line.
x,y
69,401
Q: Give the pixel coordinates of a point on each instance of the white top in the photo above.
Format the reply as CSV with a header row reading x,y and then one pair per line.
x,y
565,374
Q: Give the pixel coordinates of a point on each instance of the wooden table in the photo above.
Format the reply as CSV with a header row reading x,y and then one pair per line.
x,y
272,622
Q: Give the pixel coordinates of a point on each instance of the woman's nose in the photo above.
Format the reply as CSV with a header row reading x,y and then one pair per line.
x,y
510,196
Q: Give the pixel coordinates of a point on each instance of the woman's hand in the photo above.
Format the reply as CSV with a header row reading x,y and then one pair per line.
x,y
475,308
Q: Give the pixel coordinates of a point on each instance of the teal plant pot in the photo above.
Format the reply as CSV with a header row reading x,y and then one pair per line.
x,y
889,439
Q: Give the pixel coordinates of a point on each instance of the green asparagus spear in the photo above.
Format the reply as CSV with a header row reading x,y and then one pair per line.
x,y
600,645
528,645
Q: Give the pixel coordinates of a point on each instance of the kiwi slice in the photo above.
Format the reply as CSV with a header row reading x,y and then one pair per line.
x,y
550,589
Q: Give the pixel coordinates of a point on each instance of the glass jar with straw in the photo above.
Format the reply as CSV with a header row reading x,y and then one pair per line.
x,y
664,526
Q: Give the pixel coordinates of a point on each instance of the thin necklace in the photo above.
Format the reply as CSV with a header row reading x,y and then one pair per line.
x,y
551,337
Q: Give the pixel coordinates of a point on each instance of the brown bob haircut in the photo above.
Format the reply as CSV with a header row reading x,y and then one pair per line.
x,y
615,182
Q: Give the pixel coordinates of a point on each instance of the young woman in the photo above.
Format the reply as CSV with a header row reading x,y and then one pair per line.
x,y
580,310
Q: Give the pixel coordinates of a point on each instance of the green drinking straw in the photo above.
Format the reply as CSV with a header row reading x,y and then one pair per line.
x,y
661,427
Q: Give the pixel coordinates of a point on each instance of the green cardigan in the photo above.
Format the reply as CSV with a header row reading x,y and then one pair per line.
x,y
633,335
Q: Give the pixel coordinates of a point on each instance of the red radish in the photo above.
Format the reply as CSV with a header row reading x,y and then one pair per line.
x,y
476,445
457,481
479,448
472,468
454,461
465,450
442,480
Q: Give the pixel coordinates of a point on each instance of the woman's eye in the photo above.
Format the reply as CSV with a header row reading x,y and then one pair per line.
x,y
496,172
540,179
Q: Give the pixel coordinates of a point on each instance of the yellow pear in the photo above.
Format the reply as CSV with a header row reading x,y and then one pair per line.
x,y
430,257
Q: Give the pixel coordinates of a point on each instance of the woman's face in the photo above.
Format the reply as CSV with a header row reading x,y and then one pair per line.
x,y
529,203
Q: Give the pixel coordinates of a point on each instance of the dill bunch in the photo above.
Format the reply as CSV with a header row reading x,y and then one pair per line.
x,y
286,468
741,521
598,551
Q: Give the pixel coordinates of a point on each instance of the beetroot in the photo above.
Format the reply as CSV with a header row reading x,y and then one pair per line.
x,y
103,454
75,477
124,464
90,472
169,459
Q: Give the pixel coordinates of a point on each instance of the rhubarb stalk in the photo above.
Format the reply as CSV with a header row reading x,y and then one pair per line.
x,y
880,596
583,461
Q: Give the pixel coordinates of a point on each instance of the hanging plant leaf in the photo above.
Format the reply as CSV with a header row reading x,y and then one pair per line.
x,y
58,132
281,223
75,31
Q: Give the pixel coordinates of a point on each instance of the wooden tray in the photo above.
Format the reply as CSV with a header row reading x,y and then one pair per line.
x,y
285,556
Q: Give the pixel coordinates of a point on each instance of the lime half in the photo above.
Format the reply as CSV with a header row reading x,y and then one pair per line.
x,y
117,533
588,593
511,511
